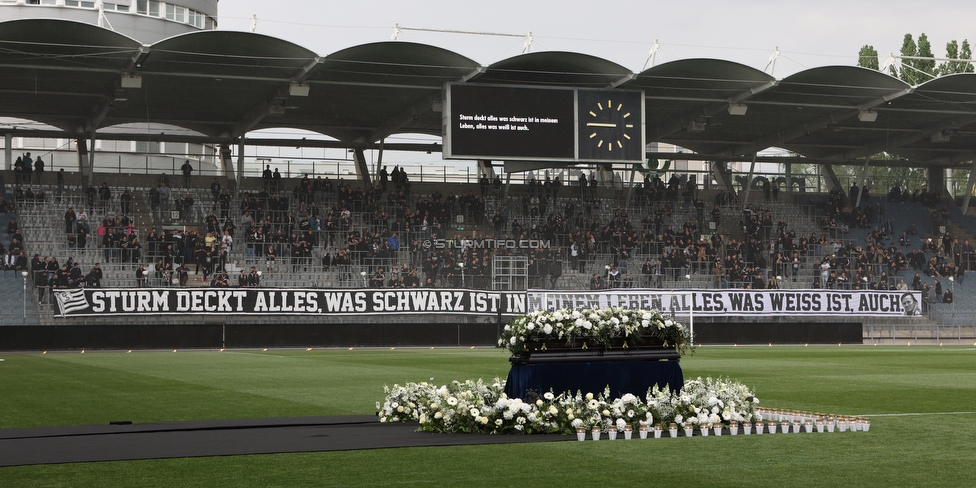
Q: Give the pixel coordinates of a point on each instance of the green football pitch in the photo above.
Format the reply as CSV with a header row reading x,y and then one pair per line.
x,y
921,401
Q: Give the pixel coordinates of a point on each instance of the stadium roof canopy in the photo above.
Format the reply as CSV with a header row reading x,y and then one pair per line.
x,y
220,85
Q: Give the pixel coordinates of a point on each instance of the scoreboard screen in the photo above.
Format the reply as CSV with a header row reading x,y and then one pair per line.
x,y
495,122
514,122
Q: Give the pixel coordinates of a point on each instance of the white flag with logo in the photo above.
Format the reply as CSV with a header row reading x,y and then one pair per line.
x,y
71,300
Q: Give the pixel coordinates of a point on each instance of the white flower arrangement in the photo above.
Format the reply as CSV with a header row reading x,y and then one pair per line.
x,y
708,400
480,407
595,327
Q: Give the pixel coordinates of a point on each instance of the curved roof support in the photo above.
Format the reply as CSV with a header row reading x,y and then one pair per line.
x,y
623,80
100,110
140,57
308,68
117,92
393,124
475,72
793,132
420,107
897,142
683,121
887,98
282,93
255,116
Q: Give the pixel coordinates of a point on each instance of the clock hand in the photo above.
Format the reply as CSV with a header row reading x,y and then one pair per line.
x,y
599,124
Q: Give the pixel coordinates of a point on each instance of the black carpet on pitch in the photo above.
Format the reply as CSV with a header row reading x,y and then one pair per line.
x,y
54,445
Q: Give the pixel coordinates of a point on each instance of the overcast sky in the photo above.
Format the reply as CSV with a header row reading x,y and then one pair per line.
x,y
808,33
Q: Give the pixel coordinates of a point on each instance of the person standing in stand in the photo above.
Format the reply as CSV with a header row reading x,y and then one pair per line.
x,y
39,169
83,219
183,275
555,271
28,168
164,193
270,258
142,276
253,278
276,177
596,282
187,171
19,170
384,179
81,241
104,195
94,277
215,189
69,221
267,177
125,200
37,266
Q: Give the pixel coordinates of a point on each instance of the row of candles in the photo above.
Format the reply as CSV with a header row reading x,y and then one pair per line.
x,y
785,421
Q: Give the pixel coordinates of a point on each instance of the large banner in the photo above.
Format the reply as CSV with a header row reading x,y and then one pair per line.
x,y
88,302
738,303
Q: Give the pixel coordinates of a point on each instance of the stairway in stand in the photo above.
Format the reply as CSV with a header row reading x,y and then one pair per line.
x,y
139,212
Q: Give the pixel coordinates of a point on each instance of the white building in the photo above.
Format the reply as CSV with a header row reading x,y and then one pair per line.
x,y
147,21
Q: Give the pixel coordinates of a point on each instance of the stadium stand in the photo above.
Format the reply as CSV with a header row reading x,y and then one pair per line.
x,y
333,234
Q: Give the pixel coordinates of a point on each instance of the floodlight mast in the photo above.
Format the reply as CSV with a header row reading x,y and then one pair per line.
x,y
652,55
102,19
771,64
526,47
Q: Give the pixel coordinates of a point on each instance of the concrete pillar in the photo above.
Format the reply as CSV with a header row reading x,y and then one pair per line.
x,y
748,185
969,188
830,177
485,168
81,150
720,170
239,174
91,160
362,169
864,181
936,180
8,151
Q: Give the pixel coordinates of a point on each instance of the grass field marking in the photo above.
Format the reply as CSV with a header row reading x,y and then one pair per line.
x,y
916,414
258,354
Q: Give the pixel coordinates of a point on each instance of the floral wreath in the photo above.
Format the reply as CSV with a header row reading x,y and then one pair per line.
x,y
595,327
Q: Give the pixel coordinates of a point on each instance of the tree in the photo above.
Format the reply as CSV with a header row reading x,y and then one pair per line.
x,y
967,53
952,52
907,72
868,57
920,67
926,66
